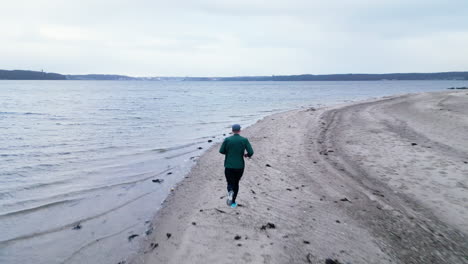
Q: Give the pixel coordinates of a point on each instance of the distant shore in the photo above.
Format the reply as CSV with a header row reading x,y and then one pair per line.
x,y
380,181
41,75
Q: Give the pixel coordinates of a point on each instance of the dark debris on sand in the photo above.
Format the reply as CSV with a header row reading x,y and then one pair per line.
x,y
158,180
332,261
268,226
131,237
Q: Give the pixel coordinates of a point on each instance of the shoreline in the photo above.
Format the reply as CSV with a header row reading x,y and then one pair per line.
x,y
326,195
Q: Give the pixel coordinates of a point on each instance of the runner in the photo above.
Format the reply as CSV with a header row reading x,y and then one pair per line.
x,y
234,148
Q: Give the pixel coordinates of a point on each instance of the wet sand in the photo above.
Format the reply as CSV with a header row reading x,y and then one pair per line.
x,y
380,181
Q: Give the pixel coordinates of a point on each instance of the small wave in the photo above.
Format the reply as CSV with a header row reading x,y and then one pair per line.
x,y
36,208
146,176
211,122
69,225
9,155
21,113
109,109
162,150
181,154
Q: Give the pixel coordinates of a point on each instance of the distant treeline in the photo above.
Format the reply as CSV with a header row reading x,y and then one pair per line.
x,y
101,77
30,75
356,77
35,75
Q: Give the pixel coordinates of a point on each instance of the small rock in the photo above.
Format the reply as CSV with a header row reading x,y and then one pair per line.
x,y
201,210
77,227
200,148
237,237
194,223
306,242
168,235
239,245
253,192
158,180
345,200
220,211
132,237
268,165
338,221
289,189
209,140
413,144
169,173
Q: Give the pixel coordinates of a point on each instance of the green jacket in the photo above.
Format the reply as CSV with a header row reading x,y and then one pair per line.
x,y
234,147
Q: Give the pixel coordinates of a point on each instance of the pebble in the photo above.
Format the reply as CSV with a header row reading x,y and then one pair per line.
x,y
168,235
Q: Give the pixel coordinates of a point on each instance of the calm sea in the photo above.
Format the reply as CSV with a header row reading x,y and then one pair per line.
x,y
77,157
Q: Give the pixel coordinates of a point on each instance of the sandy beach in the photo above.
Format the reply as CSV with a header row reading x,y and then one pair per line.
x,y
380,181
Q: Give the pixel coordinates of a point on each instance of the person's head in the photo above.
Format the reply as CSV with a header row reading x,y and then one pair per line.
x,y
236,128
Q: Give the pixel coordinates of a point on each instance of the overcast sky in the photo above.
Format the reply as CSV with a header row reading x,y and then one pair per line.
x,y
235,37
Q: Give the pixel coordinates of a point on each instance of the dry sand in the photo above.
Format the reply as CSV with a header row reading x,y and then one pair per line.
x,y
382,181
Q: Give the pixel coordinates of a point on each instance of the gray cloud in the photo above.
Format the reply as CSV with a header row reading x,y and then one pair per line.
x,y
224,38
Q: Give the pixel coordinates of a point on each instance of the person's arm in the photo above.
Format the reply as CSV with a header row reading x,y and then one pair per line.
x,y
249,148
222,150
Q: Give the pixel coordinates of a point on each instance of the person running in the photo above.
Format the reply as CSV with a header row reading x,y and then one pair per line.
x,y
234,148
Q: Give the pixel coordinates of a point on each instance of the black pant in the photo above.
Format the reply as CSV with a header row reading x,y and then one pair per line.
x,y
233,177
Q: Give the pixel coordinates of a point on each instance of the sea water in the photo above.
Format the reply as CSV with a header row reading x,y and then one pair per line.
x,y
77,158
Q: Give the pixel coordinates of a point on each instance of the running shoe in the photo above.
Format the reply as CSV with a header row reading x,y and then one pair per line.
x,y
233,205
229,198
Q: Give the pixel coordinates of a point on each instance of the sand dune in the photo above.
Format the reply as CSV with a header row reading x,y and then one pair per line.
x,y
381,181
